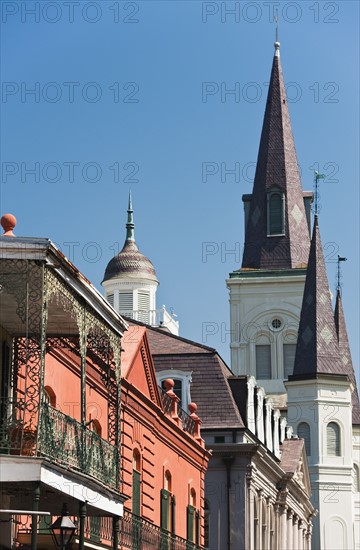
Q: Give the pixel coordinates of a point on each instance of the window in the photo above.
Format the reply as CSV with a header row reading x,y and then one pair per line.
x,y
192,520
333,439
263,362
167,505
289,351
182,381
126,302
136,483
49,396
303,431
143,306
219,439
177,389
110,299
275,214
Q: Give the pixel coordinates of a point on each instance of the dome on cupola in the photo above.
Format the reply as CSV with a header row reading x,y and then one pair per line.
x,y
130,262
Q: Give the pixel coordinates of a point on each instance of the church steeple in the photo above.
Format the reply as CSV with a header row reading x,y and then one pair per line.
x,y
317,350
345,355
277,233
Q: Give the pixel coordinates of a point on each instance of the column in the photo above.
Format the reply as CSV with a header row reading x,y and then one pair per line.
x,y
251,519
34,517
116,528
301,535
289,531
295,533
283,529
82,516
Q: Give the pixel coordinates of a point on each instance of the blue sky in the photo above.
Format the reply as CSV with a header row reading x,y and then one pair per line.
x,y
128,95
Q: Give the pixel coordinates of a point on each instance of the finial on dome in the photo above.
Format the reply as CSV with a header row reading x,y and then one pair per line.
x,y
8,222
130,227
277,43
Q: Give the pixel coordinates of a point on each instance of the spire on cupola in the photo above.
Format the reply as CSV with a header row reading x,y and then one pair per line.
x,y
130,227
345,355
277,232
317,350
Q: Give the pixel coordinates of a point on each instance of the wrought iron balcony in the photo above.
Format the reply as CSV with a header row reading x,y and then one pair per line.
x,y
138,534
61,439
188,423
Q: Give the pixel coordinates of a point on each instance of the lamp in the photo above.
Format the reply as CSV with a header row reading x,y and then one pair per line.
x,y
63,530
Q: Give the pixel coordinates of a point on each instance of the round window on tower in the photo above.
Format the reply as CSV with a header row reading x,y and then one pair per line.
x,y
276,323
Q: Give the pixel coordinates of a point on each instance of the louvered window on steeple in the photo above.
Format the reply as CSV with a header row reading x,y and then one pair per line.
x,y
289,359
333,439
303,431
126,302
263,362
110,299
275,214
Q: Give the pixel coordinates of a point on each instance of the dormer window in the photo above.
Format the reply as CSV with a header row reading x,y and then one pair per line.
x,y
181,387
275,214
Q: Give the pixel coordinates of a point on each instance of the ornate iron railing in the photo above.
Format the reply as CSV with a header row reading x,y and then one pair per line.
x,y
188,423
61,438
138,534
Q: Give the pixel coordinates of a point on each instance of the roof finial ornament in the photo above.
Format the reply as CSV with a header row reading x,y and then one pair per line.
x,y
277,43
130,227
8,222
338,274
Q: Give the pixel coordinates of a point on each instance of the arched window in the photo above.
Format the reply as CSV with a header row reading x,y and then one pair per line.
x,y
275,213
136,489
303,431
263,362
96,427
356,479
49,396
167,505
333,439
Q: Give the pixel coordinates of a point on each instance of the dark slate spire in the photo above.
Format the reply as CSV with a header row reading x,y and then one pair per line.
x,y
130,227
317,350
345,355
277,170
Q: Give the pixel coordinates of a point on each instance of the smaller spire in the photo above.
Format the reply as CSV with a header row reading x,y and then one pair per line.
x,y
130,227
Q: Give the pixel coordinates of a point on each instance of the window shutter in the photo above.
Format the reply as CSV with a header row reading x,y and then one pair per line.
x,y
164,509
190,523
197,528
289,359
136,496
110,299
303,431
263,362
173,514
333,439
125,301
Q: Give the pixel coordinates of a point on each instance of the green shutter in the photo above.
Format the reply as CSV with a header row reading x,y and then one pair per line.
x,y
136,497
164,509
197,528
190,523
173,512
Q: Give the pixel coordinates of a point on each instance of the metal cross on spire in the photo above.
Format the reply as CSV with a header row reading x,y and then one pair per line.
x,y
338,275
277,43
317,178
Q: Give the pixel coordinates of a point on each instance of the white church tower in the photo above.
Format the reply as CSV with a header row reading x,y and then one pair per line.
x,y
321,407
266,293
130,284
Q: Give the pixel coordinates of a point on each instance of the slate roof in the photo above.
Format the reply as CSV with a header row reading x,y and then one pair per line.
x,y
210,388
277,167
291,451
130,262
345,356
317,350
